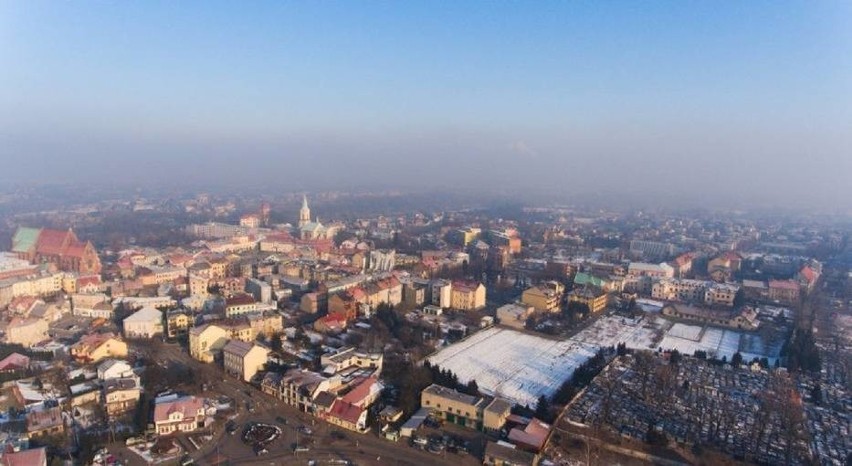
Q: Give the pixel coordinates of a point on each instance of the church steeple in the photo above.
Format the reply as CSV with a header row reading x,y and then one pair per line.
x,y
304,212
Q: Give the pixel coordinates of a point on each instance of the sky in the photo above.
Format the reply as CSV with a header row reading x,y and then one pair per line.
x,y
683,101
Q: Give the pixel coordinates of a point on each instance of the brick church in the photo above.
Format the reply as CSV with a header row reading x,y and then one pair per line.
x,y
62,248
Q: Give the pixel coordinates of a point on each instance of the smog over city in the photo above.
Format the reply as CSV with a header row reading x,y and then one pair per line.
x,y
461,233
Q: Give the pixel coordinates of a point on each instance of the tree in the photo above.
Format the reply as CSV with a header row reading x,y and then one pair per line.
x,y
675,357
472,388
644,367
816,394
737,359
801,352
542,409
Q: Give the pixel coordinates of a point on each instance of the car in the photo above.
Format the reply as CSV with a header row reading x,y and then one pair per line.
x,y
306,430
435,448
231,427
281,420
260,450
301,449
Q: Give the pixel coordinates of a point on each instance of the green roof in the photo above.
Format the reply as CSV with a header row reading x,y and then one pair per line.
x,y
25,239
583,278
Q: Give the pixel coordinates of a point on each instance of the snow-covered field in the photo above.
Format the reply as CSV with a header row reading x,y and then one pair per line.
x,y
612,330
514,365
687,332
719,342
521,367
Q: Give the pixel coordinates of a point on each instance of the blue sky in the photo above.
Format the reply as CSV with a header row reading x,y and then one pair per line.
x,y
380,84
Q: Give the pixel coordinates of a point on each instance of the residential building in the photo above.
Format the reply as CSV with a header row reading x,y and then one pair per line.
x,y
260,290
14,362
382,260
465,410
144,323
465,236
642,269
115,369
808,276
181,415
298,387
178,322
784,291
206,342
506,454
347,416
238,329
266,324
26,331
509,241
250,221
755,290
532,436
651,249
684,290
514,315
242,359
546,297
348,357
333,322
216,230
594,298
442,291
682,264
97,346
309,303
467,296
44,422
721,294
240,304
744,318
121,396
723,267
364,392
31,457
414,294
587,279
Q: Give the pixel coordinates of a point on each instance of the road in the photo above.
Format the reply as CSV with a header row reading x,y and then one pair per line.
x,y
324,448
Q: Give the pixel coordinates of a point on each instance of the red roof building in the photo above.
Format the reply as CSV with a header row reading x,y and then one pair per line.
x,y
58,247
348,416
32,457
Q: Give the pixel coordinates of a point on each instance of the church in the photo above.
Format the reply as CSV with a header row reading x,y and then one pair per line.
x,y
62,248
312,230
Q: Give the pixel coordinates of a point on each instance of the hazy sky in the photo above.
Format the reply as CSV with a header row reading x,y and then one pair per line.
x,y
708,100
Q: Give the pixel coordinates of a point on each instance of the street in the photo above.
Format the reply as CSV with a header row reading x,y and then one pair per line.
x,y
328,444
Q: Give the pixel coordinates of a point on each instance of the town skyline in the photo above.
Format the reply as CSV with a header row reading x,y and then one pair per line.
x,y
564,100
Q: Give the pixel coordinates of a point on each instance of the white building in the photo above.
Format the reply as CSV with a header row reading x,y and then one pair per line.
x,y
115,369
642,269
514,315
382,260
144,323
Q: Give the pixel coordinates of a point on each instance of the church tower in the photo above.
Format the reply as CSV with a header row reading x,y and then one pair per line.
x,y
304,212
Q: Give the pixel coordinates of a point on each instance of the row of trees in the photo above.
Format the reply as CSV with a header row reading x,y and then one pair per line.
x,y
801,352
582,376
